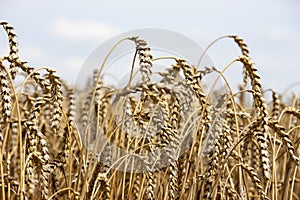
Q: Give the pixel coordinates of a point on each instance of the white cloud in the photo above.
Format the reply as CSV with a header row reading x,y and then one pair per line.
x,y
280,34
70,67
32,53
82,30
285,34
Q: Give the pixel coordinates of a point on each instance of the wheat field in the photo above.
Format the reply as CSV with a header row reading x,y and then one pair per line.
x,y
55,144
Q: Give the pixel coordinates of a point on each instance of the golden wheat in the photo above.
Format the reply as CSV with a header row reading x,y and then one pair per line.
x,y
55,144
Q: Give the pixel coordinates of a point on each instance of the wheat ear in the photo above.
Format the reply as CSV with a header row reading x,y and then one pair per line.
x,y
13,47
261,133
5,92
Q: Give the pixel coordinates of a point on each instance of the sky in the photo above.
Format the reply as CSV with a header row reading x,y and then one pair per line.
x,y
62,34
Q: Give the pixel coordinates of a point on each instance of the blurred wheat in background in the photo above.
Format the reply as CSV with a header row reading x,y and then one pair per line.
x,y
241,147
